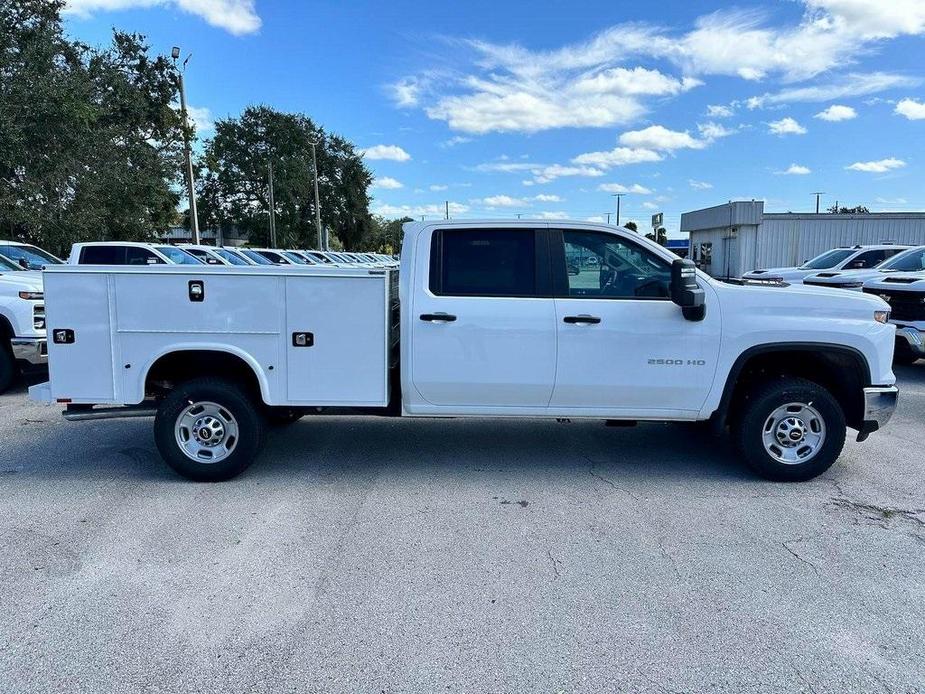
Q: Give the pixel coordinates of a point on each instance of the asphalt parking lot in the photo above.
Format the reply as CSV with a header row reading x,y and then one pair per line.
x,y
377,555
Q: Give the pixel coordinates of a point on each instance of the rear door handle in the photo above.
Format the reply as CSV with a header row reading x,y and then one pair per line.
x,y
438,317
584,318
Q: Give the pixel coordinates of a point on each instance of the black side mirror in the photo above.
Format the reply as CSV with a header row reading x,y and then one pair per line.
x,y
685,291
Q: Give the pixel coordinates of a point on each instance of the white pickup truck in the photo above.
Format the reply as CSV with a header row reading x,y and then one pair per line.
x,y
22,322
497,319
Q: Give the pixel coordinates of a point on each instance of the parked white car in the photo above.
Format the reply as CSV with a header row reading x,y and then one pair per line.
x,y
23,346
905,293
853,258
491,324
208,254
910,260
27,256
129,253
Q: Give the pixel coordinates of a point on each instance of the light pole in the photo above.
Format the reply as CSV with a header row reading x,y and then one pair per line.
x,y
272,203
321,241
190,181
618,196
817,200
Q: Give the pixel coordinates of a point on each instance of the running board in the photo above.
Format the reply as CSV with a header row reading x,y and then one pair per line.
x,y
81,413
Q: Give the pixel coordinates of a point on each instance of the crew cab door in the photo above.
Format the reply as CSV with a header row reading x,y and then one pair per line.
x,y
623,347
483,324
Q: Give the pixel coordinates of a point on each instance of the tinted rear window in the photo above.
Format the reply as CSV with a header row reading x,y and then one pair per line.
x,y
483,262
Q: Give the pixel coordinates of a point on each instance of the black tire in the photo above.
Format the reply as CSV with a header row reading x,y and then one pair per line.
x,y
756,410
232,399
903,355
8,369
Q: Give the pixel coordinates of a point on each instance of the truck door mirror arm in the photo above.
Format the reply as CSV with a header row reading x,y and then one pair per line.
x,y
685,291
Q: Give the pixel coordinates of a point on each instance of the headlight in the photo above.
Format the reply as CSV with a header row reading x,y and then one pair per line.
x,y
32,296
881,316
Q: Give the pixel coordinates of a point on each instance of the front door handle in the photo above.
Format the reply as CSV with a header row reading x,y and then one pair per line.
x,y
583,319
438,317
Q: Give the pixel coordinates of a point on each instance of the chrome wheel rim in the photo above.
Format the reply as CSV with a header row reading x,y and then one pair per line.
x,y
793,433
206,432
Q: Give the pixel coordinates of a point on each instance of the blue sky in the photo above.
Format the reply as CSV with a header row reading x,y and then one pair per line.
x,y
547,108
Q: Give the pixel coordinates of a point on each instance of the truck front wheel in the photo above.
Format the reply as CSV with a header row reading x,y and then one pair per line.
x,y
208,430
8,370
790,430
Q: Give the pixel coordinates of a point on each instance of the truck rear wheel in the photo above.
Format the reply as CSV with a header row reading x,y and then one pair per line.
x,y
208,430
790,430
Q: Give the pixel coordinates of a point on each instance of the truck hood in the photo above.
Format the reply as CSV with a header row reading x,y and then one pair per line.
x,y
21,280
900,281
787,274
824,302
836,277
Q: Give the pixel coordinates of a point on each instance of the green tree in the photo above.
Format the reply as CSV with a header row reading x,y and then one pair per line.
x,y
89,141
234,180
631,225
660,236
860,209
387,234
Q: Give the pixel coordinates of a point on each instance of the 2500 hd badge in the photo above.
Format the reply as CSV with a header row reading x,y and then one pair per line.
x,y
677,362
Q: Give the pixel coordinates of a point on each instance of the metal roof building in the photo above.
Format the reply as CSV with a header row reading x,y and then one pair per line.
x,y
734,238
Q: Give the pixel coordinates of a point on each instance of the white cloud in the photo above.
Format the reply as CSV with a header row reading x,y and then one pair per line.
x,y
619,156
851,85
202,119
551,173
235,16
620,188
880,166
713,131
420,210
387,152
719,111
650,205
547,198
406,93
660,138
593,83
436,188
786,126
911,109
699,185
796,170
502,201
837,112
387,183
455,140
599,219
553,215
892,201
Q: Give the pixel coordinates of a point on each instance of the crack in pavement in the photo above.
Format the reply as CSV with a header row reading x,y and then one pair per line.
x,y
881,515
798,556
555,564
592,464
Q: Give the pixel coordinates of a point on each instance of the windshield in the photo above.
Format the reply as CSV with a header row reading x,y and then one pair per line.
x,y
232,258
275,257
829,259
8,264
179,256
296,258
33,258
255,256
320,258
912,260
204,256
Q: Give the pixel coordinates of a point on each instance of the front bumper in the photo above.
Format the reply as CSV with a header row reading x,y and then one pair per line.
x,y
915,338
32,350
879,405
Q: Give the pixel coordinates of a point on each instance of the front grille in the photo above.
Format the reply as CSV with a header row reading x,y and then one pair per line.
x,y
903,305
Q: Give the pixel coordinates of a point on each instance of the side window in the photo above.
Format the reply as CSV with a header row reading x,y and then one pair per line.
x,y
483,262
102,255
866,259
140,256
600,265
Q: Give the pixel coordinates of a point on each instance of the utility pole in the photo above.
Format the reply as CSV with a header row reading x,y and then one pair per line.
x,y
608,217
817,200
272,207
322,245
446,204
618,196
190,181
